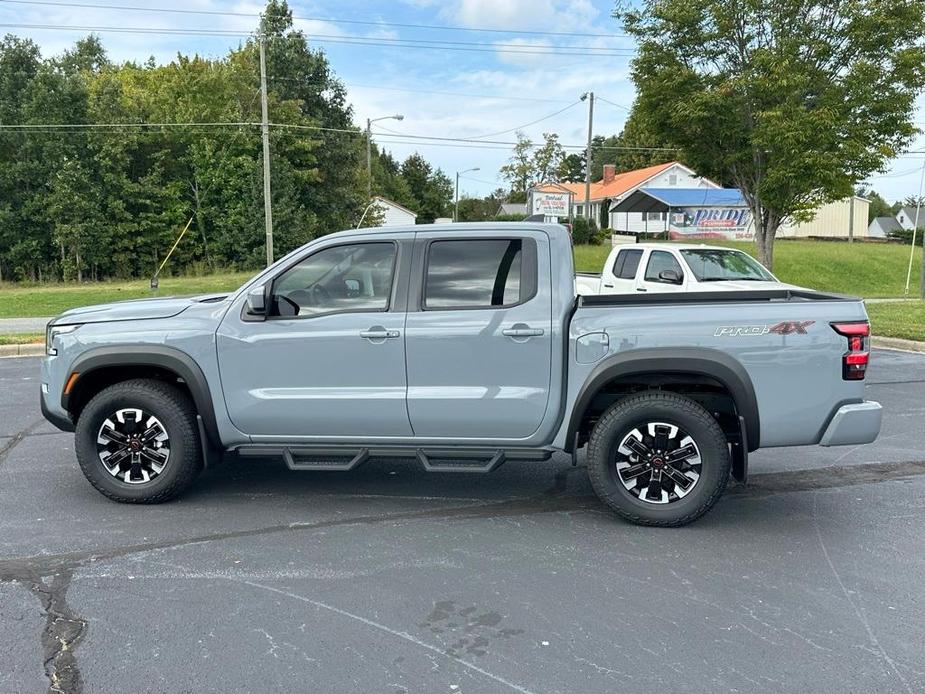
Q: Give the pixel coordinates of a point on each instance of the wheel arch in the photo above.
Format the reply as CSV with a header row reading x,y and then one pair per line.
x,y
673,369
101,367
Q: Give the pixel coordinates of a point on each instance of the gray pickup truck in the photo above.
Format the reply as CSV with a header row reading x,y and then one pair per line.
x,y
463,346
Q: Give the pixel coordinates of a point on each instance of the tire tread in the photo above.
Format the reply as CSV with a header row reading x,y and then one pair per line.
x,y
188,432
598,444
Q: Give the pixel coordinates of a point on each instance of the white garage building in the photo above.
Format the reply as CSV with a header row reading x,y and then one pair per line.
x,y
393,214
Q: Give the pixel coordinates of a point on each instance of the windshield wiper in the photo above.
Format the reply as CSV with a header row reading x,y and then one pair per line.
x,y
734,279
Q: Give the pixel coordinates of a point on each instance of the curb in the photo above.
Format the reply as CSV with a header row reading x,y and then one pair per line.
x,y
28,350
897,343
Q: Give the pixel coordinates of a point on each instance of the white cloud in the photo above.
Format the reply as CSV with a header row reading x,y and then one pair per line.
x,y
546,15
523,51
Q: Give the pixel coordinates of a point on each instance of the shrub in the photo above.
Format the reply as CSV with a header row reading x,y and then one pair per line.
x,y
905,235
581,231
602,237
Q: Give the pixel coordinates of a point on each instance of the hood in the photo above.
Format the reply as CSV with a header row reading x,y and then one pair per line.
x,y
135,309
740,286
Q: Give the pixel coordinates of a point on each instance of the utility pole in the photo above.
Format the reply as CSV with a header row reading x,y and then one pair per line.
x,y
369,159
265,127
590,96
369,150
851,218
915,228
456,199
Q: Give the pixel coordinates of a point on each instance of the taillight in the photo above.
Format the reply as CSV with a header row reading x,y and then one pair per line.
x,y
854,362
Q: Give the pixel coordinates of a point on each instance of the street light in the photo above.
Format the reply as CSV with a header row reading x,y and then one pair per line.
x,y
369,151
456,204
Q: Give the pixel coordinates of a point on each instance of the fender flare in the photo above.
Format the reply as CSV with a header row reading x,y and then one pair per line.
x,y
676,360
167,358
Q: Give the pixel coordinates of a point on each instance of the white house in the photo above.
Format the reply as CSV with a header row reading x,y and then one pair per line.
x,y
614,187
393,214
906,217
882,227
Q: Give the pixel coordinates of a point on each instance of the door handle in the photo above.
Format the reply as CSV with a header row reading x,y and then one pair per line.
x,y
609,286
522,332
641,289
377,333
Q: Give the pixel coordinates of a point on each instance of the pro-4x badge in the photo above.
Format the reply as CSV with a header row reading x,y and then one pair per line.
x,y
787,327
790,327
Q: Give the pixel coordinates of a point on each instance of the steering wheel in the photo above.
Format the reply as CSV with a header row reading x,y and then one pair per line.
x,y
318,295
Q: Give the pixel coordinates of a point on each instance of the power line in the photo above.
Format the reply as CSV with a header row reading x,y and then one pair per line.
x,y
476,138
394,138
532,146
333,20
468,96
600,98
355,85
479,180
527,125
512,49
80,126
898,174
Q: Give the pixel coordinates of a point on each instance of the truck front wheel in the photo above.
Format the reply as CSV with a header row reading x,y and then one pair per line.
x,y
137,442
658,458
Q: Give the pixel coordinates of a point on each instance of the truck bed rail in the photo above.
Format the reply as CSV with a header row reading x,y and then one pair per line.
x,y
766,295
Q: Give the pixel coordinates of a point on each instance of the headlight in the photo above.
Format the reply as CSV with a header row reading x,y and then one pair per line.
x,y
53,330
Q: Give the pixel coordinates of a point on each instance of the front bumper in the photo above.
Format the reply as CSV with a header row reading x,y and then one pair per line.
x,y
852,425
53,373
59,419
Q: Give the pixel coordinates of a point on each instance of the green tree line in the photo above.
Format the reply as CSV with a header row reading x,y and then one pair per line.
x,y
109,198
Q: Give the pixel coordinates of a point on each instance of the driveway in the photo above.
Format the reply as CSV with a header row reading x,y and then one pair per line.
x,y
388,579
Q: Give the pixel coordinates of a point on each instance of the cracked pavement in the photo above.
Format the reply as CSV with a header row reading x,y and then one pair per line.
x,y
389,579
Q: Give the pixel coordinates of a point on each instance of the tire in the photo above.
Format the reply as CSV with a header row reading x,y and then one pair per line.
x,y
645,484
165,460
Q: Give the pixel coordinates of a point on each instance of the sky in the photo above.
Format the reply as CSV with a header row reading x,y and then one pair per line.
x,y
500,83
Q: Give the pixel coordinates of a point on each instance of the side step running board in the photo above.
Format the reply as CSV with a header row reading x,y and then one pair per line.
x,y
315,463
344,458
496,461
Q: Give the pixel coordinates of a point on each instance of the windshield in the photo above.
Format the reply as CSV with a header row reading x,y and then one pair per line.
x,y
715,265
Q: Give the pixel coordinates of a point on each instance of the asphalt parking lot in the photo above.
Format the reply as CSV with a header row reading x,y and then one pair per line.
x,y
389,579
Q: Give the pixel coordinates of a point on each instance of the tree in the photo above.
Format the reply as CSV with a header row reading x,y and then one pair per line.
x,y
547,159
431,189
78,203
878,206
572,168
518,171
792,101
639,146
481,209
327,182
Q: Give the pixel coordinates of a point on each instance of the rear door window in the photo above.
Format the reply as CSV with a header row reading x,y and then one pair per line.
x,y
627,263
479,273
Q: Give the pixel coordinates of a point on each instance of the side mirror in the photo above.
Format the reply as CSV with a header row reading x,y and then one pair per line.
x,y
256,301
671,276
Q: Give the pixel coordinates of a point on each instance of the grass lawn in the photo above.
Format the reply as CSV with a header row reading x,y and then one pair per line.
x,y
865,269
868,270
22,339
23,301
898,319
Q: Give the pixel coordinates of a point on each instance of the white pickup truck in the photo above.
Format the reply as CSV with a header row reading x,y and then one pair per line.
x,y
665,267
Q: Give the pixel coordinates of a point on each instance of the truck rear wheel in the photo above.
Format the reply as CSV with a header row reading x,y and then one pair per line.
x,y
658,458
137,442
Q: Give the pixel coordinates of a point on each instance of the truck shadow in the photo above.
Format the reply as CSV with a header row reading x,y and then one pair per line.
x,y
391,477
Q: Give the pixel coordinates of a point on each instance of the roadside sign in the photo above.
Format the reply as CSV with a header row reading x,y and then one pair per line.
x,y
551,204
